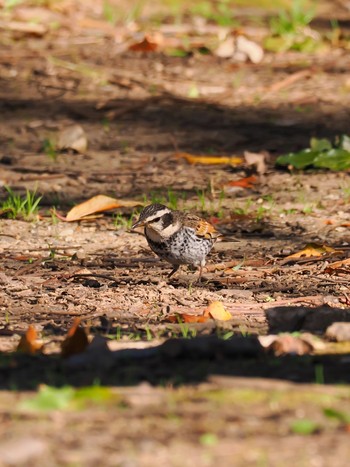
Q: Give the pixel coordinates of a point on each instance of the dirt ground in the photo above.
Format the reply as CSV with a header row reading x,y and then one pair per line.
x,y
180,393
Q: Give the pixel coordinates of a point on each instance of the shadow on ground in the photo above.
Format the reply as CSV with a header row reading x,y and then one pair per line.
x,y
186,361
195,125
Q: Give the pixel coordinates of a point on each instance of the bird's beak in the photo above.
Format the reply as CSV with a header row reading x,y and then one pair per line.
x,y
138,224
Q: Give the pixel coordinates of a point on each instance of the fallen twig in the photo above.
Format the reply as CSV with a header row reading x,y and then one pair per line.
x,y
290,79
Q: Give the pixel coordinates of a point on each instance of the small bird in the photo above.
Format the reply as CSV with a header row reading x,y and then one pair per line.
x,y
176,236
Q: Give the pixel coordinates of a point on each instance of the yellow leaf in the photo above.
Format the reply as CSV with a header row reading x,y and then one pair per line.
x,y
311,249
217,311
29,343
209,160
98,203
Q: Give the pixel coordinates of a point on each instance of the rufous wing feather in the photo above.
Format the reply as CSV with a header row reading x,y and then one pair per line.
x,y
201,226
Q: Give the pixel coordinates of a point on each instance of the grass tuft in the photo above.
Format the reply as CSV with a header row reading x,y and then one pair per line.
x,y
20,207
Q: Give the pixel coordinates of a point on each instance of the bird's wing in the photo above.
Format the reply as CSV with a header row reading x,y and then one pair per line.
x,y
201,226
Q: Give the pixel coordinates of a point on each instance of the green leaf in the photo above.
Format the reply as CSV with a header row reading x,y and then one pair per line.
x,y
321,154
193,92
177,52
299,160
208,439
278,44
334,159
49,398
96,394
342,417
307,45
304,427
320,144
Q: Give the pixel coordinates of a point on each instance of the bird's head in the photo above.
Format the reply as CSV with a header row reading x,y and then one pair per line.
x,y
159,220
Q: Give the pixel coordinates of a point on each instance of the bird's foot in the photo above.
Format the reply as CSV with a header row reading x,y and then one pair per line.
x,y
175,268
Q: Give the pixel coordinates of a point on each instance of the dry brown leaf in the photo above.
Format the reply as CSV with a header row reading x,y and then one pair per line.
x,y
247,50
246,182
76,340
29,343
99,203
187,318
286,344
339,331
291,345
73,137
257,159
150,43
311,250
217,311
226,48
340,264
209,160
105,27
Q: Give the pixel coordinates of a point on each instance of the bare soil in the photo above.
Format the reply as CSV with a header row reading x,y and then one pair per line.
x,y
175,403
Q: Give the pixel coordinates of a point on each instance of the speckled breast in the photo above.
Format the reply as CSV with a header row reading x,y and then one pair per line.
x,y
184,247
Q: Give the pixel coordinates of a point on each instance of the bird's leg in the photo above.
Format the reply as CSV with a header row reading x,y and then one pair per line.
x,y
200,274
175,268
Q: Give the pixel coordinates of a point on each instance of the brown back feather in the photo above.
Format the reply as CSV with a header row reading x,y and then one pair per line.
x,y
201,226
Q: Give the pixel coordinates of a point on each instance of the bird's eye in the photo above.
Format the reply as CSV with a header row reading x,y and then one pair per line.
x,y
156,219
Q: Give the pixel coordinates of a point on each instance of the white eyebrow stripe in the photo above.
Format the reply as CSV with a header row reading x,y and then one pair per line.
x,y
158,214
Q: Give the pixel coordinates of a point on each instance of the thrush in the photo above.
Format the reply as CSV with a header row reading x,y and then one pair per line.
x,y
177,237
